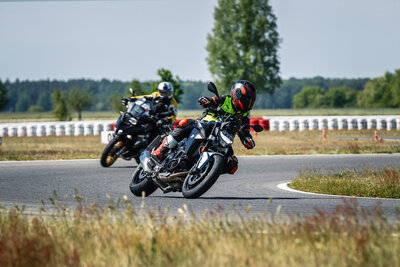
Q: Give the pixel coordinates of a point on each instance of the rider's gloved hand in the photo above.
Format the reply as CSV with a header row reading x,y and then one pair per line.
x,y
161,122
248,142
204,101
125,101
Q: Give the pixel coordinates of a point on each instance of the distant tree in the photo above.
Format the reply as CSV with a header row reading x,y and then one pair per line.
x,y
340,97
78,100
23,103
35,108
336,97
283,97
3,96
60,106
395,88
139,88
309,97
351,97
320,101
115,102
244,44
193,90
381,92
44,100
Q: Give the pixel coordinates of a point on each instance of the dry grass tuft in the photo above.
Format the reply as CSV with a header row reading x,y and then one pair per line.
x,y
118,235
311,142
267,143
366,183
50,147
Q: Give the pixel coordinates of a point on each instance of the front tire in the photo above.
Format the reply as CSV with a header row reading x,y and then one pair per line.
x,y
109,157
140,184
195,186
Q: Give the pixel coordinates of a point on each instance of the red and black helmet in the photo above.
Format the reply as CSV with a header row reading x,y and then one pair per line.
x,y
243,94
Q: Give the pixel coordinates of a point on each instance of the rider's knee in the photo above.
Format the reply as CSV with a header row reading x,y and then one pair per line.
x,y
231,165
183,122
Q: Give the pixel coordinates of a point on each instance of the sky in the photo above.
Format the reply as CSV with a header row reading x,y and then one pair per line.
x,y
132,39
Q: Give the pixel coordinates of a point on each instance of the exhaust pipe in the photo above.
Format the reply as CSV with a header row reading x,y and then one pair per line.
x,y
180,176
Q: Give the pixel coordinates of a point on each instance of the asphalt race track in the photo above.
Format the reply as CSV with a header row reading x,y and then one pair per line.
x,y
254,184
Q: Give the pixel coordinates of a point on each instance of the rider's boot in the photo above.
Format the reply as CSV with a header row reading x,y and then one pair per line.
x,y
168,143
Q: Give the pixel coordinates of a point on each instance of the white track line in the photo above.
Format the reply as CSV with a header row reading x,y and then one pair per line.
x,y
285,187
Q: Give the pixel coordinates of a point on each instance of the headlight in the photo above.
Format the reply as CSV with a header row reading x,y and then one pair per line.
x,y
133,121
225,138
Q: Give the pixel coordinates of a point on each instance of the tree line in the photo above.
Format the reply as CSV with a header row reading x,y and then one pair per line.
x,y
298,93
381,92
317,92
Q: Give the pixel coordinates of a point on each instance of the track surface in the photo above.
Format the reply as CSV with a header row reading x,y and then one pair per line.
x,y
255,184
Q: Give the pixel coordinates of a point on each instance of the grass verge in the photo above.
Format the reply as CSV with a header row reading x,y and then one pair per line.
x,y
367,183
116,235
50,147
267,143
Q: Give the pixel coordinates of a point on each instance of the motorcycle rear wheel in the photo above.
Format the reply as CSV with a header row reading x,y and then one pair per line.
x,y
195,186
140,185
108,156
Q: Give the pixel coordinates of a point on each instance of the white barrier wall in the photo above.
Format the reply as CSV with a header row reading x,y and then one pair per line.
x,y
41,129
31,130
69,128
276,123
332,123
342,123
55,128
301,123
371,123
60,129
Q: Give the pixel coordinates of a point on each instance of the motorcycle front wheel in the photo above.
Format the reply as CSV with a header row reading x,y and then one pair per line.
x,y
109,154
196,185
140,185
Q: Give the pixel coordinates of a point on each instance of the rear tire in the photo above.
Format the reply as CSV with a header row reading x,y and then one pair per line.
x,y
211,173
108,157
140,185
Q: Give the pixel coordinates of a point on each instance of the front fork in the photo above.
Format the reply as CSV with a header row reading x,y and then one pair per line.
x,y
203,160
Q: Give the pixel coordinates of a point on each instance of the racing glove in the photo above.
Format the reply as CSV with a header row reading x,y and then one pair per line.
x,y
248,142
204,101
161,122
246,139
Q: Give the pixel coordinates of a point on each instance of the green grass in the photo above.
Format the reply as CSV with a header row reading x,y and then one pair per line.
x,y
118,235
110,115
367,183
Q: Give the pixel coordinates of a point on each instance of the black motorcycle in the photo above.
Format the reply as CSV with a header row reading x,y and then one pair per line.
x,y
135,129
194,165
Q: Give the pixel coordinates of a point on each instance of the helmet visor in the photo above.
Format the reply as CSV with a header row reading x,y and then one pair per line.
x,y
166,94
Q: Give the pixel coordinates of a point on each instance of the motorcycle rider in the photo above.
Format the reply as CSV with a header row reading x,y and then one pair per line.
x,y
240,101
163,101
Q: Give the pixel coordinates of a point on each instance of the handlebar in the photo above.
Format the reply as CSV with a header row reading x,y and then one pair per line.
x,y
163,114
